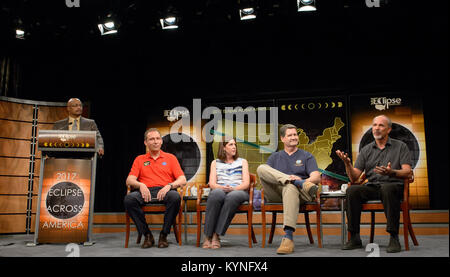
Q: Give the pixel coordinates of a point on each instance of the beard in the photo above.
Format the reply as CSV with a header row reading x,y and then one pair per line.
x,y
378,136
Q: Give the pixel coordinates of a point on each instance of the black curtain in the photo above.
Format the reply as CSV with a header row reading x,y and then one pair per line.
x,y
122,124
9,77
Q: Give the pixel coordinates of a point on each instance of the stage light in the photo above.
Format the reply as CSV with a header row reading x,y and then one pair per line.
x,y
170,22
20,34
247,13
107,28
306,5
108,24
20,30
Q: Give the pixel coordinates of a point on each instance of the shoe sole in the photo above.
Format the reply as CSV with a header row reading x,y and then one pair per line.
x,y
147,246
284,253
353,247
394,250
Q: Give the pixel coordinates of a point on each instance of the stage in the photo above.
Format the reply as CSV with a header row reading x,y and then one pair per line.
x,y
112,245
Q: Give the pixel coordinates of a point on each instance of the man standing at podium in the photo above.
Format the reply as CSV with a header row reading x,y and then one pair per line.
x,y
75,122
154,176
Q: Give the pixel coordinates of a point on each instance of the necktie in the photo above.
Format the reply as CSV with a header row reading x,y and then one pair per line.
x,y
75,125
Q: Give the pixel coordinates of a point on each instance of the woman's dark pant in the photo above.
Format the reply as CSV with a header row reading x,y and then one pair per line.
x,y
220,210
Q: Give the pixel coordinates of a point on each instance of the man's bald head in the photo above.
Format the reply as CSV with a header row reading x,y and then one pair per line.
x,y
74,107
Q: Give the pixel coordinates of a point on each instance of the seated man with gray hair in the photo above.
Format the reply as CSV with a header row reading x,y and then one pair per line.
x,y
385,162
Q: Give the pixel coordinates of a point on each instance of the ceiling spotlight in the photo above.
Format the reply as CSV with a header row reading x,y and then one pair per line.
x,y
107,28
108,25
20,34
306,5
170,22
247,13
19,28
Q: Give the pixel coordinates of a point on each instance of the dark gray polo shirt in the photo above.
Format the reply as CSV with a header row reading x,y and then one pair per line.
x,y
370,156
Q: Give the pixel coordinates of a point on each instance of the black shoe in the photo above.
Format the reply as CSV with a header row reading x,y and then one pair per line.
x,y
149,241
394,245
352,244
162,243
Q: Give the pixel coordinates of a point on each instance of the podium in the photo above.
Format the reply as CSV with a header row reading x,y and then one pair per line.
x,y
66,187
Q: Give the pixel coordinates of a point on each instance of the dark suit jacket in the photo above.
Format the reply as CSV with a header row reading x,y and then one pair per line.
x,y
86,124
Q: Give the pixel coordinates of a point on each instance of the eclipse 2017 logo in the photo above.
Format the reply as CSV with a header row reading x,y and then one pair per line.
x,y
65,200
383,103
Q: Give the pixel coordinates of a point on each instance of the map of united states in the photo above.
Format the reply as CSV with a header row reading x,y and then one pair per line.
x,y
322,146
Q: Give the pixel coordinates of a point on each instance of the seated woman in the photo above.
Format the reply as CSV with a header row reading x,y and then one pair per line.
x,y
229,181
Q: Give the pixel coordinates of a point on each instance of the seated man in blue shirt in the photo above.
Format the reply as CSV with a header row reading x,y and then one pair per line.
x,y
290,176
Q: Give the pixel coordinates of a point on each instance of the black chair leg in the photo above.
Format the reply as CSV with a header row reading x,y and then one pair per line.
x,y
272,228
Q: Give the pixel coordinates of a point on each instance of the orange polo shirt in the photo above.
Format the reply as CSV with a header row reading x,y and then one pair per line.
x,y
156,173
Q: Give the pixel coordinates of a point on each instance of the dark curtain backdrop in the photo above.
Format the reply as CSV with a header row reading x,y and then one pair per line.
x,y
123,133
9,76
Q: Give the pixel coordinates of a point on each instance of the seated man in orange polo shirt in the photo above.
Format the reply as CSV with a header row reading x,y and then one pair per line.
x,y
154,176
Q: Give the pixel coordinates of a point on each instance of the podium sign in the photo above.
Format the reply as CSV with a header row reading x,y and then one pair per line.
x,y
66,187
64,205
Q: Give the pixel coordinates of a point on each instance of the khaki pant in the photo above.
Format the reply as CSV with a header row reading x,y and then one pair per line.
x,y
277,189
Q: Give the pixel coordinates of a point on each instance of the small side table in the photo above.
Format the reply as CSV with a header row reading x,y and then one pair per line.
x,y
341,196
185,199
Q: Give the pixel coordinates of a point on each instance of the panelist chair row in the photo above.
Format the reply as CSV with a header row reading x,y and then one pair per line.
x,y
157,207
